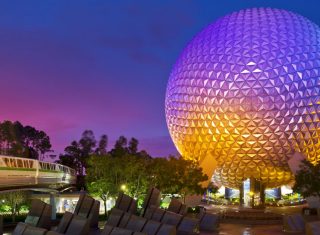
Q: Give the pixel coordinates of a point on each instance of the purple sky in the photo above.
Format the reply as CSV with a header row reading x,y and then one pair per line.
x,y
67,66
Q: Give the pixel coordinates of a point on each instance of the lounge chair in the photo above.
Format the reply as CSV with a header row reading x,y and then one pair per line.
x,y
25,229
208,222
183,224
175,205
109,230
152,228
171,218
88,207
39,214
152,212
115,217
293,223
152,199
77,226
126,203
134,223
313,228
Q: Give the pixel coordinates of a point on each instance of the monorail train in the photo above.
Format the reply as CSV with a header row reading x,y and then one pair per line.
x,y
16,171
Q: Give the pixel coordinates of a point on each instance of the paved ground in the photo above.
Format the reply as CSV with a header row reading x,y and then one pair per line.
x,y
277,210
239,229
243,229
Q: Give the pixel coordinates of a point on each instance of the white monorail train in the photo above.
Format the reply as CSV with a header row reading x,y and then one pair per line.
x,y
16,171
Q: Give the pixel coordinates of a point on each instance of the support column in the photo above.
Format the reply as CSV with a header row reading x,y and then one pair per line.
x,y
279,193
262,195
241,195
53,205
252,190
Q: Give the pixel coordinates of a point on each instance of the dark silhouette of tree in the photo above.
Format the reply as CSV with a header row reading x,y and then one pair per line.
x,y
120,147
87,142
72,157
102,145
307,179
23,141
133,146
77,153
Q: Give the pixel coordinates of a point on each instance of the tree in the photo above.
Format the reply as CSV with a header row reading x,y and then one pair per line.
x,y
106,175
189,177
102,146
77,153
87,143
102,177
72,157
23,141
133,146
177,175
120,147
307,179
100,188
14,200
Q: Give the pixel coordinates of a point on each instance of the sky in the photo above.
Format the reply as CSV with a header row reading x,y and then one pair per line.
x,y
67,66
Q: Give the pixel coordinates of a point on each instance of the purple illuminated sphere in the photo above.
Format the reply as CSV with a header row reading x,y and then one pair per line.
x,y
245,92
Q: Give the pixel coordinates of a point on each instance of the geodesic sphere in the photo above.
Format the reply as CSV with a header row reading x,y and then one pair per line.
x,y
245,92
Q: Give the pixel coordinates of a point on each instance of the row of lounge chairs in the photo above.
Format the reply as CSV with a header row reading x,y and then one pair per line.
x,y
84,219
123,219
175,215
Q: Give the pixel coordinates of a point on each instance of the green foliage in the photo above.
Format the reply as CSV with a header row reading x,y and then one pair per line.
x,y
23,141
307,179
106,175
14,201
177,175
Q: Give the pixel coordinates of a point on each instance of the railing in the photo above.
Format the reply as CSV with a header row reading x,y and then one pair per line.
x,y
23,171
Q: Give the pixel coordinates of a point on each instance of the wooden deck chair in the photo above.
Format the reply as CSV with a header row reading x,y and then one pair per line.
x,y
171,218
136,223
39,214
115,217
25,229
175,205
188,225
152,199
151,227
313,228
78,226
293,223
126,203
88,207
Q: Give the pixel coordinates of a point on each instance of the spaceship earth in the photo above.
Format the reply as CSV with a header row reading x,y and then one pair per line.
x,y
245,93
